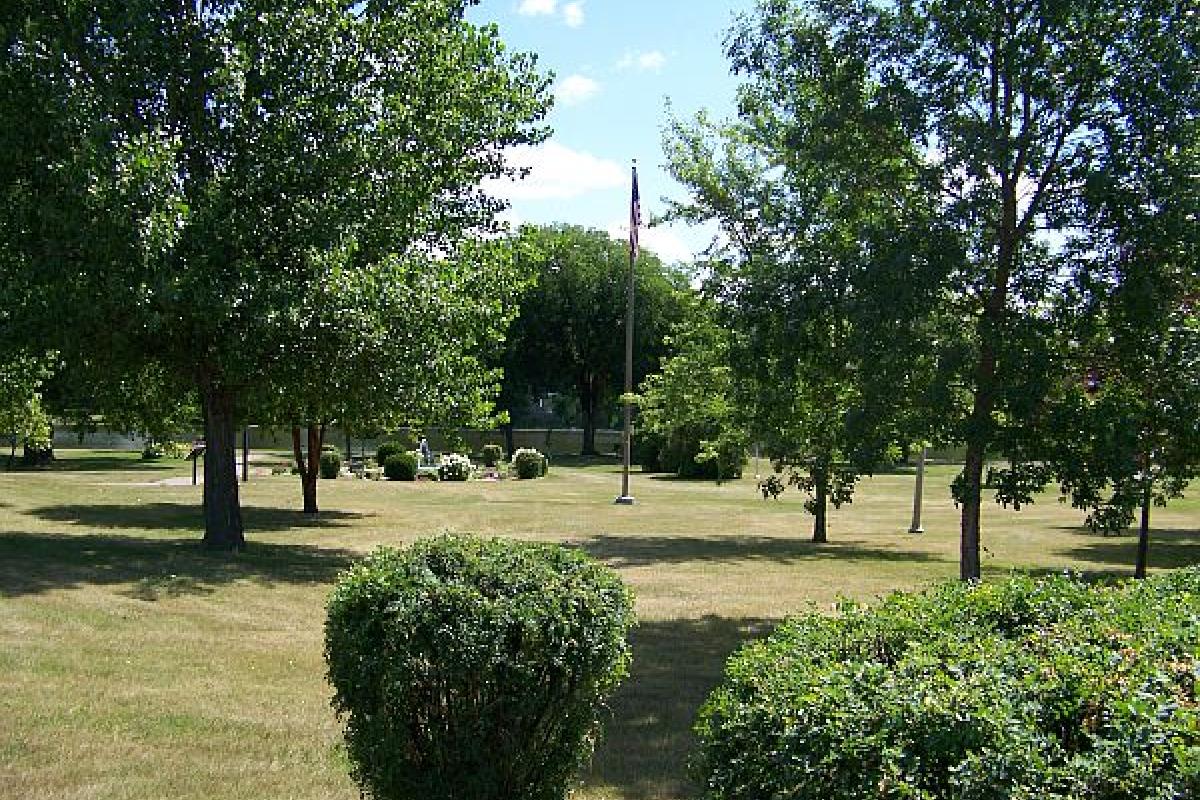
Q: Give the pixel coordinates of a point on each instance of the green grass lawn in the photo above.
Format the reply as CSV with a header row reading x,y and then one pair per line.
x,y
135,666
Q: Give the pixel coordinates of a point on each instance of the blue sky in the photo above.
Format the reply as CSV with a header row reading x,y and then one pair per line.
x,y
616,62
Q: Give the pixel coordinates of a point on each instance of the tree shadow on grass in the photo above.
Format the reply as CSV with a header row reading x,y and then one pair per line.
x,y
648,737
576,460
34,563
637,551
1170,548
186,516
109,463
671,477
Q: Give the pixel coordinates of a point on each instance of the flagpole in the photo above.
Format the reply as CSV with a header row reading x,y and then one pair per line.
x,y
635,214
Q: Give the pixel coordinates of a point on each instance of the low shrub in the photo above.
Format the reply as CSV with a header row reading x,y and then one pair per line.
x,y
401,466
388,449
174,449
493,454
1029,688
331,463
454,467
474,668
529,463
156,449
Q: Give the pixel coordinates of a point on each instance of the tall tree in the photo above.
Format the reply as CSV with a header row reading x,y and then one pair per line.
x,y
1124,433
829,239
1002,107
378,350
1014,96
182,179
568,334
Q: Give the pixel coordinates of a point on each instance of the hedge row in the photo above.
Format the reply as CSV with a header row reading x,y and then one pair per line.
x,y
1045,688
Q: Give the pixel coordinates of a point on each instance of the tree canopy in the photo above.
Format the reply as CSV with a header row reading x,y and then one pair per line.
x,y
569,332
974,132
829,239
690,423
233,189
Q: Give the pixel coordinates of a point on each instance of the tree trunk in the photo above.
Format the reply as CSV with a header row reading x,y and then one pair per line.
x,y
1143,548
979,424
223,529
821,501
588,400
509,440
969,568
309,464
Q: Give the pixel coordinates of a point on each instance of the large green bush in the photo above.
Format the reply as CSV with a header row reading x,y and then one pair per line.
x,y
647,450
681,454
474,669
1025,689
401,466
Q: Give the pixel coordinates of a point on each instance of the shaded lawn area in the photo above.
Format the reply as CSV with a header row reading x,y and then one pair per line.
x,y
148,569
135,665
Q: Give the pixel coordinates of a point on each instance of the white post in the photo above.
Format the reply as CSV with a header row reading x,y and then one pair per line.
x,y
918,492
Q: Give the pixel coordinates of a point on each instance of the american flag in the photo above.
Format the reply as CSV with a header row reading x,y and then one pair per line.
x,y
635,217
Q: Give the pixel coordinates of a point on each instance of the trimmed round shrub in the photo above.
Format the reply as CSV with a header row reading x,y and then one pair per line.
x,y
529,463
388,449
474,669
493,454
1025,689
401,466
153,451
331,464
454,467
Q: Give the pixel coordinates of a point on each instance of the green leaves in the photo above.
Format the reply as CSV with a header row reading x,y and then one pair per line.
x,y
1026,688
475,669
569,336
277,201
689,407
832,257
933,212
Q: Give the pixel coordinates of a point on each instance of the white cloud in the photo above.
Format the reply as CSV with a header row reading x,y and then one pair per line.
x,y
533,8
575,89
558,173
651,61
573,14
661,240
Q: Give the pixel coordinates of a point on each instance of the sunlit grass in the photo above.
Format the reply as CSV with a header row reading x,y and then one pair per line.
x,y
133,665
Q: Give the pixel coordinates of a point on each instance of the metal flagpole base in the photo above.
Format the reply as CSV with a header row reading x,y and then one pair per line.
x,y
624,500
916,530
